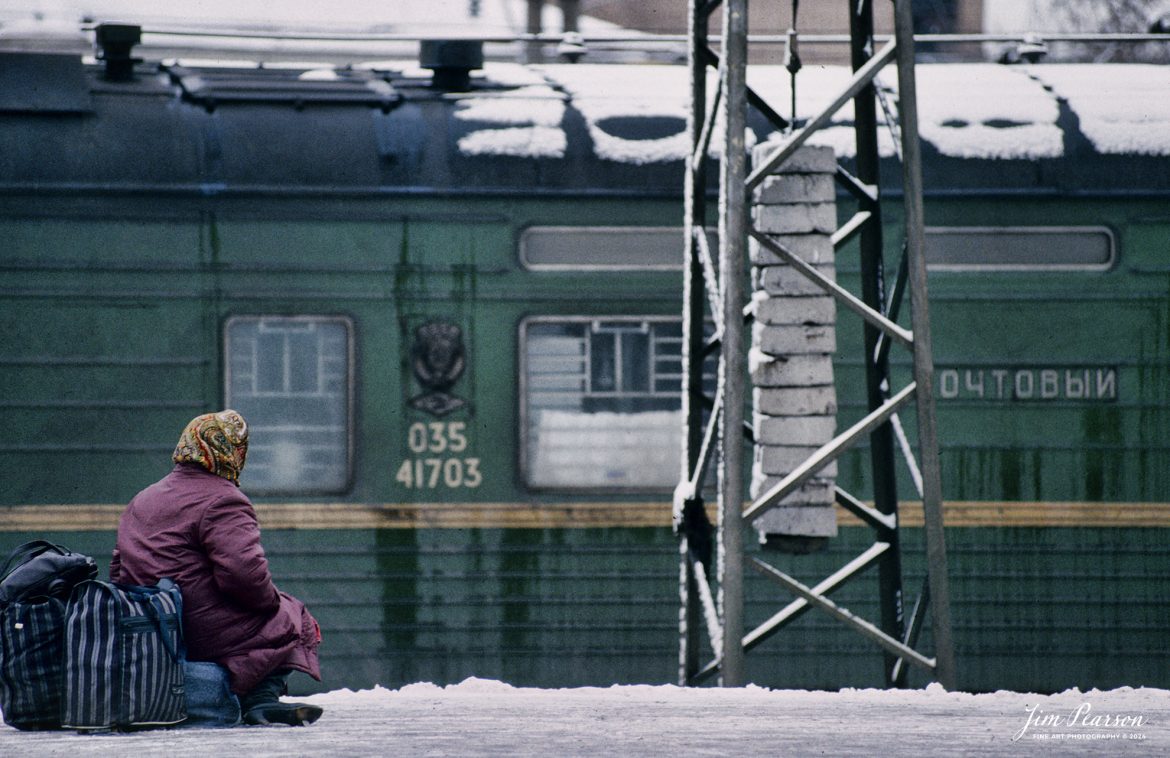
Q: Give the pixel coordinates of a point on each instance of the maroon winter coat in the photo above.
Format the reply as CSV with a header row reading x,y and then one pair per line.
x,y
200,530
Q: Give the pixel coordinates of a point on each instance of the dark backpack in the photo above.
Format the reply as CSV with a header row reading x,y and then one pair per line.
x,y
34,583
42,569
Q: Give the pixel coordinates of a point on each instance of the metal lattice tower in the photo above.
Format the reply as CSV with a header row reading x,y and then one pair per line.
x,y
717,554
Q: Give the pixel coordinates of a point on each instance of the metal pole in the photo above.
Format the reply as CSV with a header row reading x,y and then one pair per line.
x,y
732,244
936,554
533,26
694,214
877,369
571,12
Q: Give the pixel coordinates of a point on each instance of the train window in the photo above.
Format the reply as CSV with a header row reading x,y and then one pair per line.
x,y
601,402
1019,248
602,248
290,378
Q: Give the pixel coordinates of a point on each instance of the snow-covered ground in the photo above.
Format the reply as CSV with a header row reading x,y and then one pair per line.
x,y
480,717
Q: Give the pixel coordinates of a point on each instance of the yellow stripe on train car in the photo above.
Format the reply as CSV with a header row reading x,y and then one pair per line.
x,y
333,516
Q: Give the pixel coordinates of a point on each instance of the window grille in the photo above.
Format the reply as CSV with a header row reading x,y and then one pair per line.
x,y
602,402
290,378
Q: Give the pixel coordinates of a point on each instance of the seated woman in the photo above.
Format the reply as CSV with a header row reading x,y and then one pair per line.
x,y
196,527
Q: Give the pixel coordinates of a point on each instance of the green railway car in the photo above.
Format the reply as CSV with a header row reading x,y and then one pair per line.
x,y
453,321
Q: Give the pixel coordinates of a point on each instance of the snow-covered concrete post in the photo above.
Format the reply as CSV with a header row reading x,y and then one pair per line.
x,y
794,401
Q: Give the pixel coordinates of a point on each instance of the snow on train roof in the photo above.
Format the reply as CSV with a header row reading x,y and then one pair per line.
x,y
980,111
521,122
1122,114
605,94
983,111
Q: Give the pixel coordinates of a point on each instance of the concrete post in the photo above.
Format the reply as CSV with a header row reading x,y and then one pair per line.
x,y
794,401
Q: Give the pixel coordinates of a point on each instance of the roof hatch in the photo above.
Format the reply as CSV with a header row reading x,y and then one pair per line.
x,y
211,88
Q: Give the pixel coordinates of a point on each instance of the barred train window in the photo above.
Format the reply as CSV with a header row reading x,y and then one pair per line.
x,y
602,402
290,377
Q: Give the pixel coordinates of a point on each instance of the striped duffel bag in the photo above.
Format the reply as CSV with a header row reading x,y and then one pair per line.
x,y
124,656
31,648
35,583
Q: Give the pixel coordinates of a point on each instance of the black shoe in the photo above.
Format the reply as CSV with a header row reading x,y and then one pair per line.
x,y
293,714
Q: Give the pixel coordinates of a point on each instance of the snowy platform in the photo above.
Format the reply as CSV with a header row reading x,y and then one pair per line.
x,y
479,717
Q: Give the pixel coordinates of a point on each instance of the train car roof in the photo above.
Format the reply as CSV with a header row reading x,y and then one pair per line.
x,y
384,128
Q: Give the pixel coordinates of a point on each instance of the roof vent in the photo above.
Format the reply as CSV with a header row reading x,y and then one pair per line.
x,y
452,61
572,47
1031,49
115,42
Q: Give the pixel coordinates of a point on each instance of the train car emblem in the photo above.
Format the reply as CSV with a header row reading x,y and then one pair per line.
x,y
438,359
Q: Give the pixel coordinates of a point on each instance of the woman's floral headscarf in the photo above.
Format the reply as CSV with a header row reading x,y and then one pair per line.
x,y
216,441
